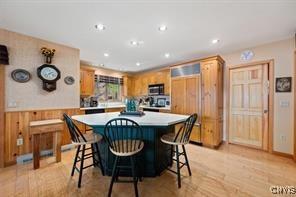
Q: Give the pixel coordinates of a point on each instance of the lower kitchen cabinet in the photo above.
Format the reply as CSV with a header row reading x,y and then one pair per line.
x,y
113,109
212,132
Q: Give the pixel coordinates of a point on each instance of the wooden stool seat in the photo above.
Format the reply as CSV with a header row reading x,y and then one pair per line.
x,y
90,139
37,128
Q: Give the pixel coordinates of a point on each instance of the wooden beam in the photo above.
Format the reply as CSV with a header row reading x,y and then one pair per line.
x,y
2,101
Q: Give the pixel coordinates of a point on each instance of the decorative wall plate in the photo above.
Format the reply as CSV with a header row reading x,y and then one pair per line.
x,y
247,55
20,75
69,80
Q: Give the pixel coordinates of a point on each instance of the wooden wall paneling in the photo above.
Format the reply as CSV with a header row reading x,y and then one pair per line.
x,y
2,106
17,123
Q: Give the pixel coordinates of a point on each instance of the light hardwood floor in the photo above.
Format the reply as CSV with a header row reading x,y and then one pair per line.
x,y
230,171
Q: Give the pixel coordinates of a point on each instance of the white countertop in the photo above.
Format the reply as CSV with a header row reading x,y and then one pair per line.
x,y
149,119
104,107
161,108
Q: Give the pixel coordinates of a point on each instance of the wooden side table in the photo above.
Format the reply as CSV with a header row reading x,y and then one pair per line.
x,y
37,128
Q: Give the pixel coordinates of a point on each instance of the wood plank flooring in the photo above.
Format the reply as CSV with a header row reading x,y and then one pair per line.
x,y
230,171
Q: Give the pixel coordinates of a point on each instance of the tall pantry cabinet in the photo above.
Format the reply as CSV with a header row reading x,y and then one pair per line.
x,y
212,101
197,87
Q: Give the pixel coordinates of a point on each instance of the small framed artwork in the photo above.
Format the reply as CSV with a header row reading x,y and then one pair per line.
x,y
283,84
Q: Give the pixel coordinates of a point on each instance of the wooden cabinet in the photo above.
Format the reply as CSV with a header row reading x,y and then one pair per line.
x,y
212,102
185,99
142,81
113,109
203,94
127,86
178,96
87,79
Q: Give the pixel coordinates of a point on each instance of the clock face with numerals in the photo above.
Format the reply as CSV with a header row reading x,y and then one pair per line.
x,y
49,73
247,55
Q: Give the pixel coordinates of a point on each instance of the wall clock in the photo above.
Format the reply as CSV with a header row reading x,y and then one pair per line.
x,y
49,74
247,55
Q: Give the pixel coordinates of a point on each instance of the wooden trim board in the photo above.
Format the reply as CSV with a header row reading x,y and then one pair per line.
x,y
294,105
2,106
271,98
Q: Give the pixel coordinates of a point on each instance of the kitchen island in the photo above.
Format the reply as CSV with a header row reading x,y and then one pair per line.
x,y
155,156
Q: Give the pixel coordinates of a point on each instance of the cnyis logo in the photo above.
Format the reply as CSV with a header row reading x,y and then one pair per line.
x,y
283,190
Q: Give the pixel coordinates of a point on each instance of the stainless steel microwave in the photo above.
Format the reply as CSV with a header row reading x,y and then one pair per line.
x,y
156,89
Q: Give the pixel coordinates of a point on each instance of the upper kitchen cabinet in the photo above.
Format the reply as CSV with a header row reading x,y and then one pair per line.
x,y
128,84
87,79
142,81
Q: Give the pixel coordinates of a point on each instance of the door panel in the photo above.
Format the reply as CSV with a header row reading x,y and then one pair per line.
x,y
248,100
178,96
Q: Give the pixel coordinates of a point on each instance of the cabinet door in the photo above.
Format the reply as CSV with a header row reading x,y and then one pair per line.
x,y
82,91
192,95
208,129
178,96
88,79
195,134
209,89
144,86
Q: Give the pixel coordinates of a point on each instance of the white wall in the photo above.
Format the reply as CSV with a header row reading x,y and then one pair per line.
x,y
24,52
283,54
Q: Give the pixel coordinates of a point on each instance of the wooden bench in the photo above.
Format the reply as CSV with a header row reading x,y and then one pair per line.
x,y
54,126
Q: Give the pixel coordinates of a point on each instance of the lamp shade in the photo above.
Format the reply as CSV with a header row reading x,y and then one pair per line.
x,y
4,55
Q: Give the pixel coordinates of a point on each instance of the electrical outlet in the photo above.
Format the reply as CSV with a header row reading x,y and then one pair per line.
x,y
12,104
19,141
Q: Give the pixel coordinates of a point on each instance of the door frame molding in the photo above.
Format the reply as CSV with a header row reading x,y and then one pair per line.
x,y
270,63
294,155
2,109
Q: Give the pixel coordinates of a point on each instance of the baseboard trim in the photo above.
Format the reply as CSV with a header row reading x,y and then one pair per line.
x,y
29,157
287,155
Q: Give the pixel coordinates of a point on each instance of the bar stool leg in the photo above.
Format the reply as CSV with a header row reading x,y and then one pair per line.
x,y
75,160
113,176
134,175
187,162
178,166
81,166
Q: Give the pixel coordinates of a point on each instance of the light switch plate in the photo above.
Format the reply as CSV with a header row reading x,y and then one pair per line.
x,y
19,141
12,104
284,103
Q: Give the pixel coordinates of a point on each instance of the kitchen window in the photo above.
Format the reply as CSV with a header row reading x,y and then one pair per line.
x,y
109,88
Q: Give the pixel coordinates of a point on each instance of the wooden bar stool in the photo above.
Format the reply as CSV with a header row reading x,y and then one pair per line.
x,y
81,141
125,140
180,139
54,126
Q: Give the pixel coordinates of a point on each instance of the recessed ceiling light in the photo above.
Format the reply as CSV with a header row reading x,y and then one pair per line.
x,y
167,55
162,28
138,63
106,54
215,41
100,27
134,43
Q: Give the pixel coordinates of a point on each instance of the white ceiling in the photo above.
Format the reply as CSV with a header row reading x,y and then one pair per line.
x,y
191,27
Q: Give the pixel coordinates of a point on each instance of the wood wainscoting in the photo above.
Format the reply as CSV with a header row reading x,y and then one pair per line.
x,y
17,125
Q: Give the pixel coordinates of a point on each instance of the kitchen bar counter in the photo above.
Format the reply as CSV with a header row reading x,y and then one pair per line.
x,y
154,158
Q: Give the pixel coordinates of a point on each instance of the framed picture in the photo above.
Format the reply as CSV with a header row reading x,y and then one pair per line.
x,y
283,84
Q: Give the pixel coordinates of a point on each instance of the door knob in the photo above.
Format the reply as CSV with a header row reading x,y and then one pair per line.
x,y
265,111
